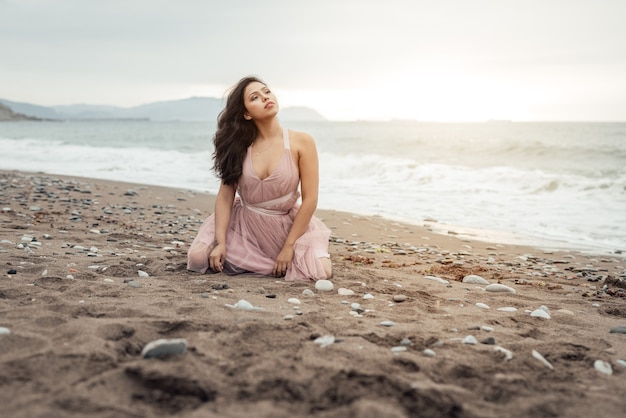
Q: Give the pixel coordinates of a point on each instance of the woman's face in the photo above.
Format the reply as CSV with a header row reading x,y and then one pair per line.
x,y
259,101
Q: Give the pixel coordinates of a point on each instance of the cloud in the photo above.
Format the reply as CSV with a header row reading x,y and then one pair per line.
x,y
139,48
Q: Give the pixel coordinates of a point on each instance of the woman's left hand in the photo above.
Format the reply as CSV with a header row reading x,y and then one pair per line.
x,y
283,261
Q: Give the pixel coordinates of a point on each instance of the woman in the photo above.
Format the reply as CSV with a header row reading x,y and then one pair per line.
x,y
263,230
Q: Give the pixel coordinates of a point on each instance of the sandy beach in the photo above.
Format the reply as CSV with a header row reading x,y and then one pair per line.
x,y
93,271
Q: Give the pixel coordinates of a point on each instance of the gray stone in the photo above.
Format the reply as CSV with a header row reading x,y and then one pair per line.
x,y
620,329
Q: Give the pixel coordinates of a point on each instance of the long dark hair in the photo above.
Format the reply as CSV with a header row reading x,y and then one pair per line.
x,y
234,134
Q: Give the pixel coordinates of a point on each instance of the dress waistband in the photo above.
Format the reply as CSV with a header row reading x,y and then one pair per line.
x,y
262,207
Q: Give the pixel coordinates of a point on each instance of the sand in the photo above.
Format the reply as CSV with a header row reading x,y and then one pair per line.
x,y
78,316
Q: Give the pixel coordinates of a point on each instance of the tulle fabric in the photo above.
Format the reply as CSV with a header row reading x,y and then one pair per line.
x,y
261,217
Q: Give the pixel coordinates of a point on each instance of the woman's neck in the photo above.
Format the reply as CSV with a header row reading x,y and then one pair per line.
x,y
268,130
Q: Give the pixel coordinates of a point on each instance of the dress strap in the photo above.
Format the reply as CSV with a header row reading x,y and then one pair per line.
x,y
286,137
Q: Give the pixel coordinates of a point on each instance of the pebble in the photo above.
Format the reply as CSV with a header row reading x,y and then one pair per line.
x,y
621,362
538,356
324,341
482,305
507,309
244,305
470,339
324,285
387,323
437,279
109,281
429,353
406,341
294,301
399,298
489,341
12,271
345,292
496,287
308,292
474,279
288,317
487,328
134,284
620,329
540,313
398,349
142,273
164,347
4,331
603,367
368,296
508,355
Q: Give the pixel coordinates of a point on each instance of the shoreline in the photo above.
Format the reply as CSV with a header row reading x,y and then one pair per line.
x,y
473,234
94,270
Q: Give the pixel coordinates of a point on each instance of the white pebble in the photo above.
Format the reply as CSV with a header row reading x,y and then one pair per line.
x,y
288,317
345,292
324,341
437,279
486,328
603,367
387,323
621,362
109,281
163,348
398,349
496,287
308,292
428,352
142,273
482,305
44,273
508,355
540,313
538,356
368,296
94,231
69,277
294,301
244,305
4,331
507,309
474,279
470,339
324,285
355,306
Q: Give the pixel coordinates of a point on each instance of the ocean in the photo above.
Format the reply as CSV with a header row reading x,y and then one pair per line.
x,y
552,185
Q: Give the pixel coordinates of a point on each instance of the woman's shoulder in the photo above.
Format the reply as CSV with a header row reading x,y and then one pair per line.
x,y
300,139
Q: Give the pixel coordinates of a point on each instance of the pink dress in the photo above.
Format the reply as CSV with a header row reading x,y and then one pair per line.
x,y
260,221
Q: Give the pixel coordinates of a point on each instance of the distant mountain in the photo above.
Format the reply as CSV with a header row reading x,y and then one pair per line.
x,y
300,114
35,111
6,115
191,109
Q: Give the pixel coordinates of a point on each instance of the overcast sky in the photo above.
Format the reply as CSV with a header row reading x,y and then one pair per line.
x,y
361,59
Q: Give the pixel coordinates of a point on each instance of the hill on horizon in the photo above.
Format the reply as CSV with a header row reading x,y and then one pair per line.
x,y
190,109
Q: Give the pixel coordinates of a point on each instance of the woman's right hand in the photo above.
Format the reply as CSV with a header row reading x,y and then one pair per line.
x,y
217,257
